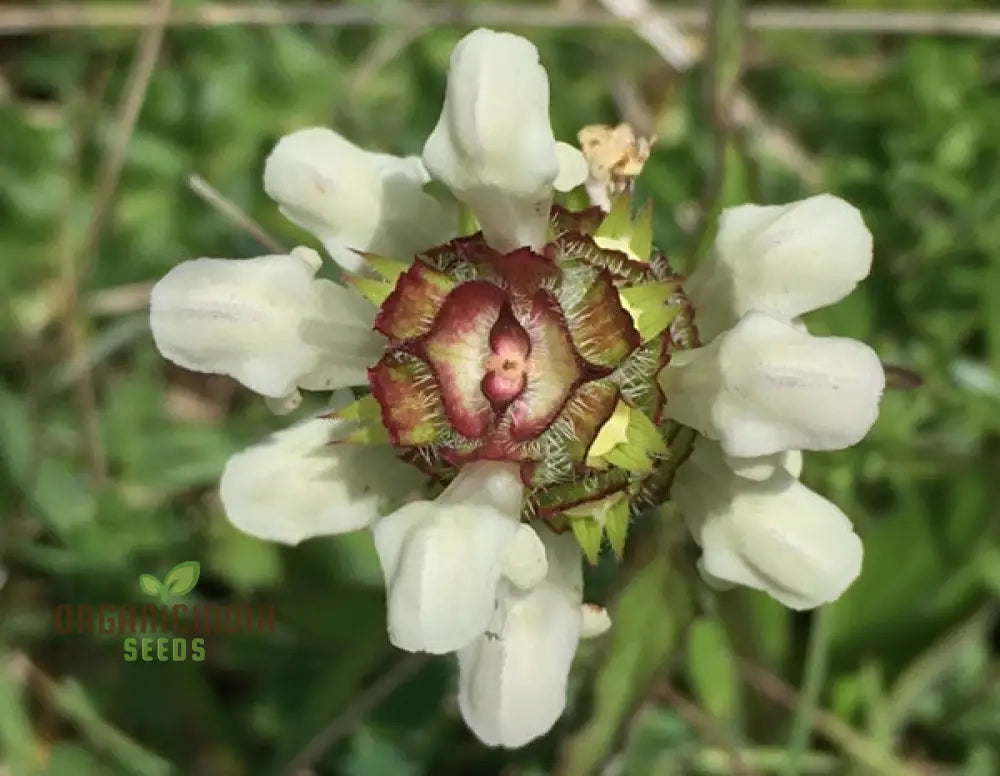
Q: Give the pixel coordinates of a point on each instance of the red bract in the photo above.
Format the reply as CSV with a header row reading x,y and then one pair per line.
x,y
524,357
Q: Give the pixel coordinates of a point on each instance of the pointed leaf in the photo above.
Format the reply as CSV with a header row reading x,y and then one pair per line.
x,y
149,584
616,526
374,290
588,534
183,577
642,233
388,268
617,223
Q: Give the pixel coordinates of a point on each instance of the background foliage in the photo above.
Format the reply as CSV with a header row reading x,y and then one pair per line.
x,y
109,456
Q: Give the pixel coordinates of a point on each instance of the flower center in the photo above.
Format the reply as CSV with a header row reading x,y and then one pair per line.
x,y
507,364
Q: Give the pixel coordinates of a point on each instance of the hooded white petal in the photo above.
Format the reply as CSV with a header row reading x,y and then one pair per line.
x,y
572,167
777,535
512,680
296,484
493,145
763,387
784,260
525,564
763,466
442,559
267,322
352,198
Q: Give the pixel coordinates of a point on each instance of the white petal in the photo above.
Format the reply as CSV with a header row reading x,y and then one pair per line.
x,y
442,559
352,198
524,564
512,680
783,260
762,467
596,621
265,321
777,536
284,405
343,333
763,387
296,484
573,169
493,145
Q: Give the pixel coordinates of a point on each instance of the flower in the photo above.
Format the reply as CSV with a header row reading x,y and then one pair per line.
x,y
493,145
355,200
764,388
268,322
774,535
518,395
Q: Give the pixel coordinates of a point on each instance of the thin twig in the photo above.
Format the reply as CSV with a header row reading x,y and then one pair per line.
x,y
707,726
32,18
352,716
69,699
855,745
78,264
119,300
155,16
73,321
231,211
660,29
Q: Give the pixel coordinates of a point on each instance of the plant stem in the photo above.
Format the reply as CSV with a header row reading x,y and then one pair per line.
x,y
817,654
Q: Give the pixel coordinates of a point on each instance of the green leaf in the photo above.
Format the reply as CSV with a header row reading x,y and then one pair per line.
x,y
588,533
183,577
711,668
149,584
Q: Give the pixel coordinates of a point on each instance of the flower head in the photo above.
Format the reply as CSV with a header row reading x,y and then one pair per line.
x,y
524,392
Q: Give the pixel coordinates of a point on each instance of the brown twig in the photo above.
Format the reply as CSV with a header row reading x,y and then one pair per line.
x,y
78,264
855,745
706,725
404,670
155,16
660,29
32,18
231,211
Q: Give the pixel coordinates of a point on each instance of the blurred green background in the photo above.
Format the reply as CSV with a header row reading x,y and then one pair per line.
x,y
109,456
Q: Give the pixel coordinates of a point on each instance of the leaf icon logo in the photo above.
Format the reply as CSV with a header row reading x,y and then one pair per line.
x,y
179,581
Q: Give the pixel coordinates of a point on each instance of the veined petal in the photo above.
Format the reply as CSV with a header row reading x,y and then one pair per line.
x,y
512,680
784,260
296,484
264,321
777,535
442,559
493,145
763,387
355,199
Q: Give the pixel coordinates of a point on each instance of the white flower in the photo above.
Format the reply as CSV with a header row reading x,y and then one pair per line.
x,y
512,679
267,322
442,559
763,387
784,260
493,145
298,484
776,535
355,199
498,364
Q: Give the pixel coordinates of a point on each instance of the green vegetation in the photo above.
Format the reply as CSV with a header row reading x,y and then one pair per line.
x,y
109,456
